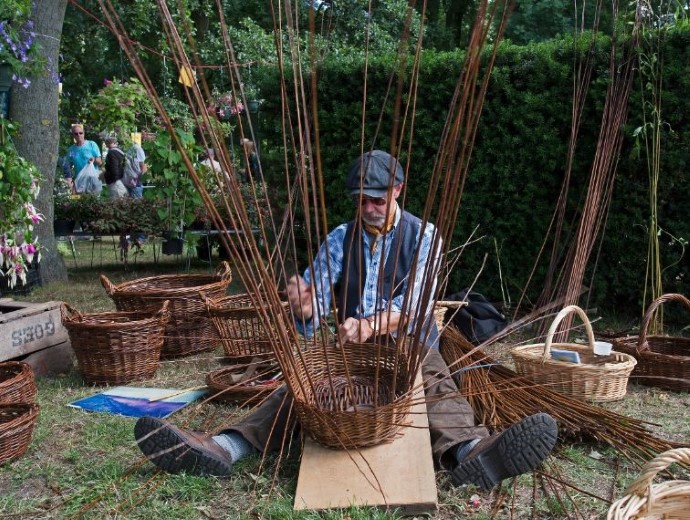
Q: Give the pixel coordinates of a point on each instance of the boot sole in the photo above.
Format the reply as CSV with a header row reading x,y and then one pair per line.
x,y
522,448
167,447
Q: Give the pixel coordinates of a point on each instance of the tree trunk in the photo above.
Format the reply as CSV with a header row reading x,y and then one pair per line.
x,y
36,110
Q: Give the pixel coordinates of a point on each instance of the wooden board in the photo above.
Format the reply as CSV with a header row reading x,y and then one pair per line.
x,y
403,469
27,327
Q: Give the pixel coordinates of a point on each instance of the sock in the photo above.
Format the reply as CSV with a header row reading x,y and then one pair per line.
x,y
463,449
237,446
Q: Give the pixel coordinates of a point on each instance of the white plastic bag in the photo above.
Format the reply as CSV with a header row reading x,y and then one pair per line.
x,y
87,180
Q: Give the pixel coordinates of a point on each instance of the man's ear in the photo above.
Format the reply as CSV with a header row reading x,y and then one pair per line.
x,y
397,190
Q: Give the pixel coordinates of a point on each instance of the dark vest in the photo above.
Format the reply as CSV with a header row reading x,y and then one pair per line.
x,y
397,268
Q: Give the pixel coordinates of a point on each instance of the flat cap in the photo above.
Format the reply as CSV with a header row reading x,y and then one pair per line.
x,y
372,173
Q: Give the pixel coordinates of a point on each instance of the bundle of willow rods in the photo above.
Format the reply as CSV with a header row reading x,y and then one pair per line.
x,y
501,397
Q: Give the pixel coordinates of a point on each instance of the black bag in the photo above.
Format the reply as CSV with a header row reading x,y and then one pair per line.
x,y
478,320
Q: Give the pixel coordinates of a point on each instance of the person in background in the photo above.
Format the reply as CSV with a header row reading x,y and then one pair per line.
x,y
209,160
135,151
114,169
252,169
80,154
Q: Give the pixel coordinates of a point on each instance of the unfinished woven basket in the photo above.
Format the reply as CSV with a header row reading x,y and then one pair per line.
x,y
662,361
356,396
239,327
189,329
16,426
644,500
17,383
595,378
244,384
116,347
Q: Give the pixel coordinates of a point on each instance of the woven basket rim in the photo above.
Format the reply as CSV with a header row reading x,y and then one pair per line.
x,y
622,360
631,343
91,320
24,370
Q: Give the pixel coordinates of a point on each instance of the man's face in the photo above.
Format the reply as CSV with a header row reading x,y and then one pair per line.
x,y
375,211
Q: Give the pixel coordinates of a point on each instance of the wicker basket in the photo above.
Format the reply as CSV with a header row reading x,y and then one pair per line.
x,y
16,426
350,400
662,361
244,384
189,329
239,327
595,378
646,501
16,383
116,347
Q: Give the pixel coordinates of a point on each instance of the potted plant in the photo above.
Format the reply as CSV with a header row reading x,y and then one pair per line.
x,y
174,193
224,105
64,212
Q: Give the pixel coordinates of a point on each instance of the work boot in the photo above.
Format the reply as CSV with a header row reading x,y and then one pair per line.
x,y
174,450
515,451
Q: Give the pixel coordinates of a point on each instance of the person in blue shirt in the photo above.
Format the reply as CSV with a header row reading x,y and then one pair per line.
x,y
80,154
382,240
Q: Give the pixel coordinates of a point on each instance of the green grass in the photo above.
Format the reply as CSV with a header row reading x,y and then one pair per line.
x,y
87,465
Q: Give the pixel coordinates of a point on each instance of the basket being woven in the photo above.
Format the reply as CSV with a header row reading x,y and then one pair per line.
x,y
644,500
189,329
239,327
16,426
357,395
116,347
244,384
595,378
662,361
17,383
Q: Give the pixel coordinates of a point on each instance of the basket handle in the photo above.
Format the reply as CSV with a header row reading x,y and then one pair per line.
x,y
67,312
163,311
642,344
224,271
557,321
643,483
107,285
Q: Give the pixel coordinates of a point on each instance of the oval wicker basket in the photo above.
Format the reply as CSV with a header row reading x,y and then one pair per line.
x,y
244,384
644,500
357,395
662,361
17,383
239,327
189,329
16,427
595,378
116,347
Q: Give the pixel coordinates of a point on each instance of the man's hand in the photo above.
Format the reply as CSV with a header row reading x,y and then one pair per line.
x,y
300,295
355,330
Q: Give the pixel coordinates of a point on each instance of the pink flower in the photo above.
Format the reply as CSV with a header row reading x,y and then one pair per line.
x,y
107,82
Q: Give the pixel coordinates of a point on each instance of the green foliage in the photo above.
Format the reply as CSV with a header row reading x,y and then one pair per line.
x,y
120,108
174,188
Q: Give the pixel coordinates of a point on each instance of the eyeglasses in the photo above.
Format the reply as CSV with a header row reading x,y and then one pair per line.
x,y
376,201
77,133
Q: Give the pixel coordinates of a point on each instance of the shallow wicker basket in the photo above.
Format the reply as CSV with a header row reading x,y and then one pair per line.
x,y
244,384
16,426
647,501
662,361
116,347
17,383
350,400
239,327
189,329
595,378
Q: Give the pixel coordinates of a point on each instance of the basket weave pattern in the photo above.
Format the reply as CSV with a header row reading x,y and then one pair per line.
x,y
662,361
16,427
189,329
239,327
116,347
350,401
17,383
594,379
647,501
244,384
